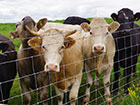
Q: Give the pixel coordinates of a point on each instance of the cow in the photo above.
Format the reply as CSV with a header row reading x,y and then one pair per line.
x,y
63,59
8,56
61,26
99,51
30,62
127,39
75,20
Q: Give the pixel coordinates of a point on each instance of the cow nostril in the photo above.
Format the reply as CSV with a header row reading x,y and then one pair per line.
x,y
47,67
55,66
102,48
95,48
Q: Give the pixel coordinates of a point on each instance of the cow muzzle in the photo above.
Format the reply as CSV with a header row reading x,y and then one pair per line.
x,y
98,49
51,67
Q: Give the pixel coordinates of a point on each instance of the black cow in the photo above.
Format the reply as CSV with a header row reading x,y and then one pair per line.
x,y
8,70
75,20
127,39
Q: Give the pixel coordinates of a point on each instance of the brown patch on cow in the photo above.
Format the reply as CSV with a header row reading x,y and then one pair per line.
x,y
60,82
68,70
60,85
107,84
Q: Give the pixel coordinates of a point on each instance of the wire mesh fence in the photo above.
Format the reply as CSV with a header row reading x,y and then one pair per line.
x,y
35,82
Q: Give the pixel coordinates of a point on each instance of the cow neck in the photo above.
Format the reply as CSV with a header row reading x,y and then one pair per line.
x,y
25,43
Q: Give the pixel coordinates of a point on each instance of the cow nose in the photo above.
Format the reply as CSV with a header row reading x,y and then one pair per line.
x,y
51,67
98,49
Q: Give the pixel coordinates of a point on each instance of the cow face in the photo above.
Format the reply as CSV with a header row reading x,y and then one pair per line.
x,y
99,31
21,30
126,18
52,43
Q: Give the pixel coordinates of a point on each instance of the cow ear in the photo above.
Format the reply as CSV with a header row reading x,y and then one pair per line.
x,y
69,42
113,26
85,26
41,23
114,16
137,16
14,35
3,47
35,43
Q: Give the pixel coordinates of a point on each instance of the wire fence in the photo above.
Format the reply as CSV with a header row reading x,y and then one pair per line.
x,y
97,96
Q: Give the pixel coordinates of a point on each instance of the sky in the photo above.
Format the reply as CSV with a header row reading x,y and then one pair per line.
x,y
12,11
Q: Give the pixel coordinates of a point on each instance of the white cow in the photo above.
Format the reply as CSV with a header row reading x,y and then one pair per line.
x,y
99,50
63,59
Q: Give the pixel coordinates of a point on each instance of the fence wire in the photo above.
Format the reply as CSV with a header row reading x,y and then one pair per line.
x,y
97,95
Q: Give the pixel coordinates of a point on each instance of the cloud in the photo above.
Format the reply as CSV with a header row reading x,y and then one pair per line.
x,y
15,10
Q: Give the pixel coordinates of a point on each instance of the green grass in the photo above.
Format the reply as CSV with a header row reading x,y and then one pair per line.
x,y
15,93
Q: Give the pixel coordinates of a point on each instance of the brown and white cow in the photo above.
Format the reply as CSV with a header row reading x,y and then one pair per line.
x,y
99,48
30,62
63,59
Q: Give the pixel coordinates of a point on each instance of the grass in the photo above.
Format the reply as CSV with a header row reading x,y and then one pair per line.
x,y
96,96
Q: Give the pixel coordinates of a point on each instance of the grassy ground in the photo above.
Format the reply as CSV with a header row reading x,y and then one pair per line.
x,y
96,96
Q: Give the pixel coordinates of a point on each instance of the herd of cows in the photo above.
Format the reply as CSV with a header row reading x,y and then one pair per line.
x,y
59,53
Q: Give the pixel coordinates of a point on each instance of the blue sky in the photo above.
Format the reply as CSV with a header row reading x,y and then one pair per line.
x,y
14,10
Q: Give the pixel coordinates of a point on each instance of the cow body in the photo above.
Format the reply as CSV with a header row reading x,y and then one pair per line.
x,y
60,26
7,69
127,39
99,51
75,20
70,73
30,64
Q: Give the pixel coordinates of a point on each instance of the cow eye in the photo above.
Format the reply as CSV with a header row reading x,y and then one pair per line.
x,y
16,25
44,47
62,47
107,33
91,33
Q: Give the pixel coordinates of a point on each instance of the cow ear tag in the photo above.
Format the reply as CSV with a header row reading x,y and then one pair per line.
x,y
85,30
36,44
0,51
136,19
41,24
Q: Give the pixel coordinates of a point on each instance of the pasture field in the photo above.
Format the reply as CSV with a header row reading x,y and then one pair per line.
x,y
97,97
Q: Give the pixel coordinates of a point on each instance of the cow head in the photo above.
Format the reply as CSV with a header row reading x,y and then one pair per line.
x,y
126,18
21,30
52,44
99,31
